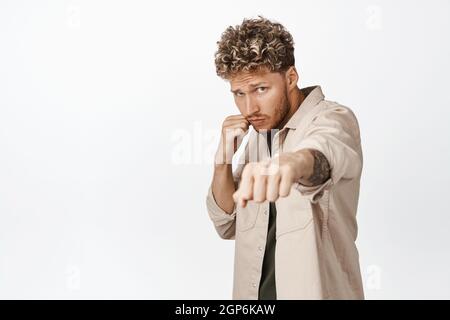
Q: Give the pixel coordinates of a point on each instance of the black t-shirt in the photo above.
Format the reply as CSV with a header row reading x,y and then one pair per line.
x,y
267,289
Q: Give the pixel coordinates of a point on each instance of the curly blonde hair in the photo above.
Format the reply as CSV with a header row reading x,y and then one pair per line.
x,y
254,45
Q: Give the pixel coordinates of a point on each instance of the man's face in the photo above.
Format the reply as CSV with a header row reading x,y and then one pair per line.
x,y
261,97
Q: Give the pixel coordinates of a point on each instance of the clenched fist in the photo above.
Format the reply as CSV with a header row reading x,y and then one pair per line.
x,y
272,178
234,129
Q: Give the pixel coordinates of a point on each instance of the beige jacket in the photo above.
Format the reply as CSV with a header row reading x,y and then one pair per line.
x,y
316,256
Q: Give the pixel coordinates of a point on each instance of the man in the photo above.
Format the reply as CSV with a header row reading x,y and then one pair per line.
x,y
291,203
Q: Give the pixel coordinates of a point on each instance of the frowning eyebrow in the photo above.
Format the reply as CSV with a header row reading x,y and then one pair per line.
x,y
251,85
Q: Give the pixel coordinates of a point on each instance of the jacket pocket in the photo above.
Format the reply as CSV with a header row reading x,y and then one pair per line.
x,y
246,217
294,212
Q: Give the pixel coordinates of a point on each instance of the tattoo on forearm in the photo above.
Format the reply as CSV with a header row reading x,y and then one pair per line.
x,y
321,171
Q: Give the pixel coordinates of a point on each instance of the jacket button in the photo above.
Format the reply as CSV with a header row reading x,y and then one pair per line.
x,y
254,285
260,248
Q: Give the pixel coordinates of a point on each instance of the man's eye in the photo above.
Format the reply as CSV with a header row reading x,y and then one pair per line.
x,y
262,89
238,94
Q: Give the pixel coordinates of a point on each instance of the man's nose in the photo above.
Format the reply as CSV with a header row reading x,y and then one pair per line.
x,y
251,108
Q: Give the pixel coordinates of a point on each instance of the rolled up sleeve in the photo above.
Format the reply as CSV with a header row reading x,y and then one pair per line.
x,y
335,133
224,223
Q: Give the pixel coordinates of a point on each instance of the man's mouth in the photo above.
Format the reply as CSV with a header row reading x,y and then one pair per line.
x,y
256,119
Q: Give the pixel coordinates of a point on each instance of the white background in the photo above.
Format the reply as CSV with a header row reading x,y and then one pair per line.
x,y
109,114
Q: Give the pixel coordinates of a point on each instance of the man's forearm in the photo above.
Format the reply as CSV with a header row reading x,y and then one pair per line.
x,y
223,187
315,167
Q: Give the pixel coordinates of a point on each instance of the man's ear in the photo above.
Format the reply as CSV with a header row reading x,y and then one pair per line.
x,y
291,77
